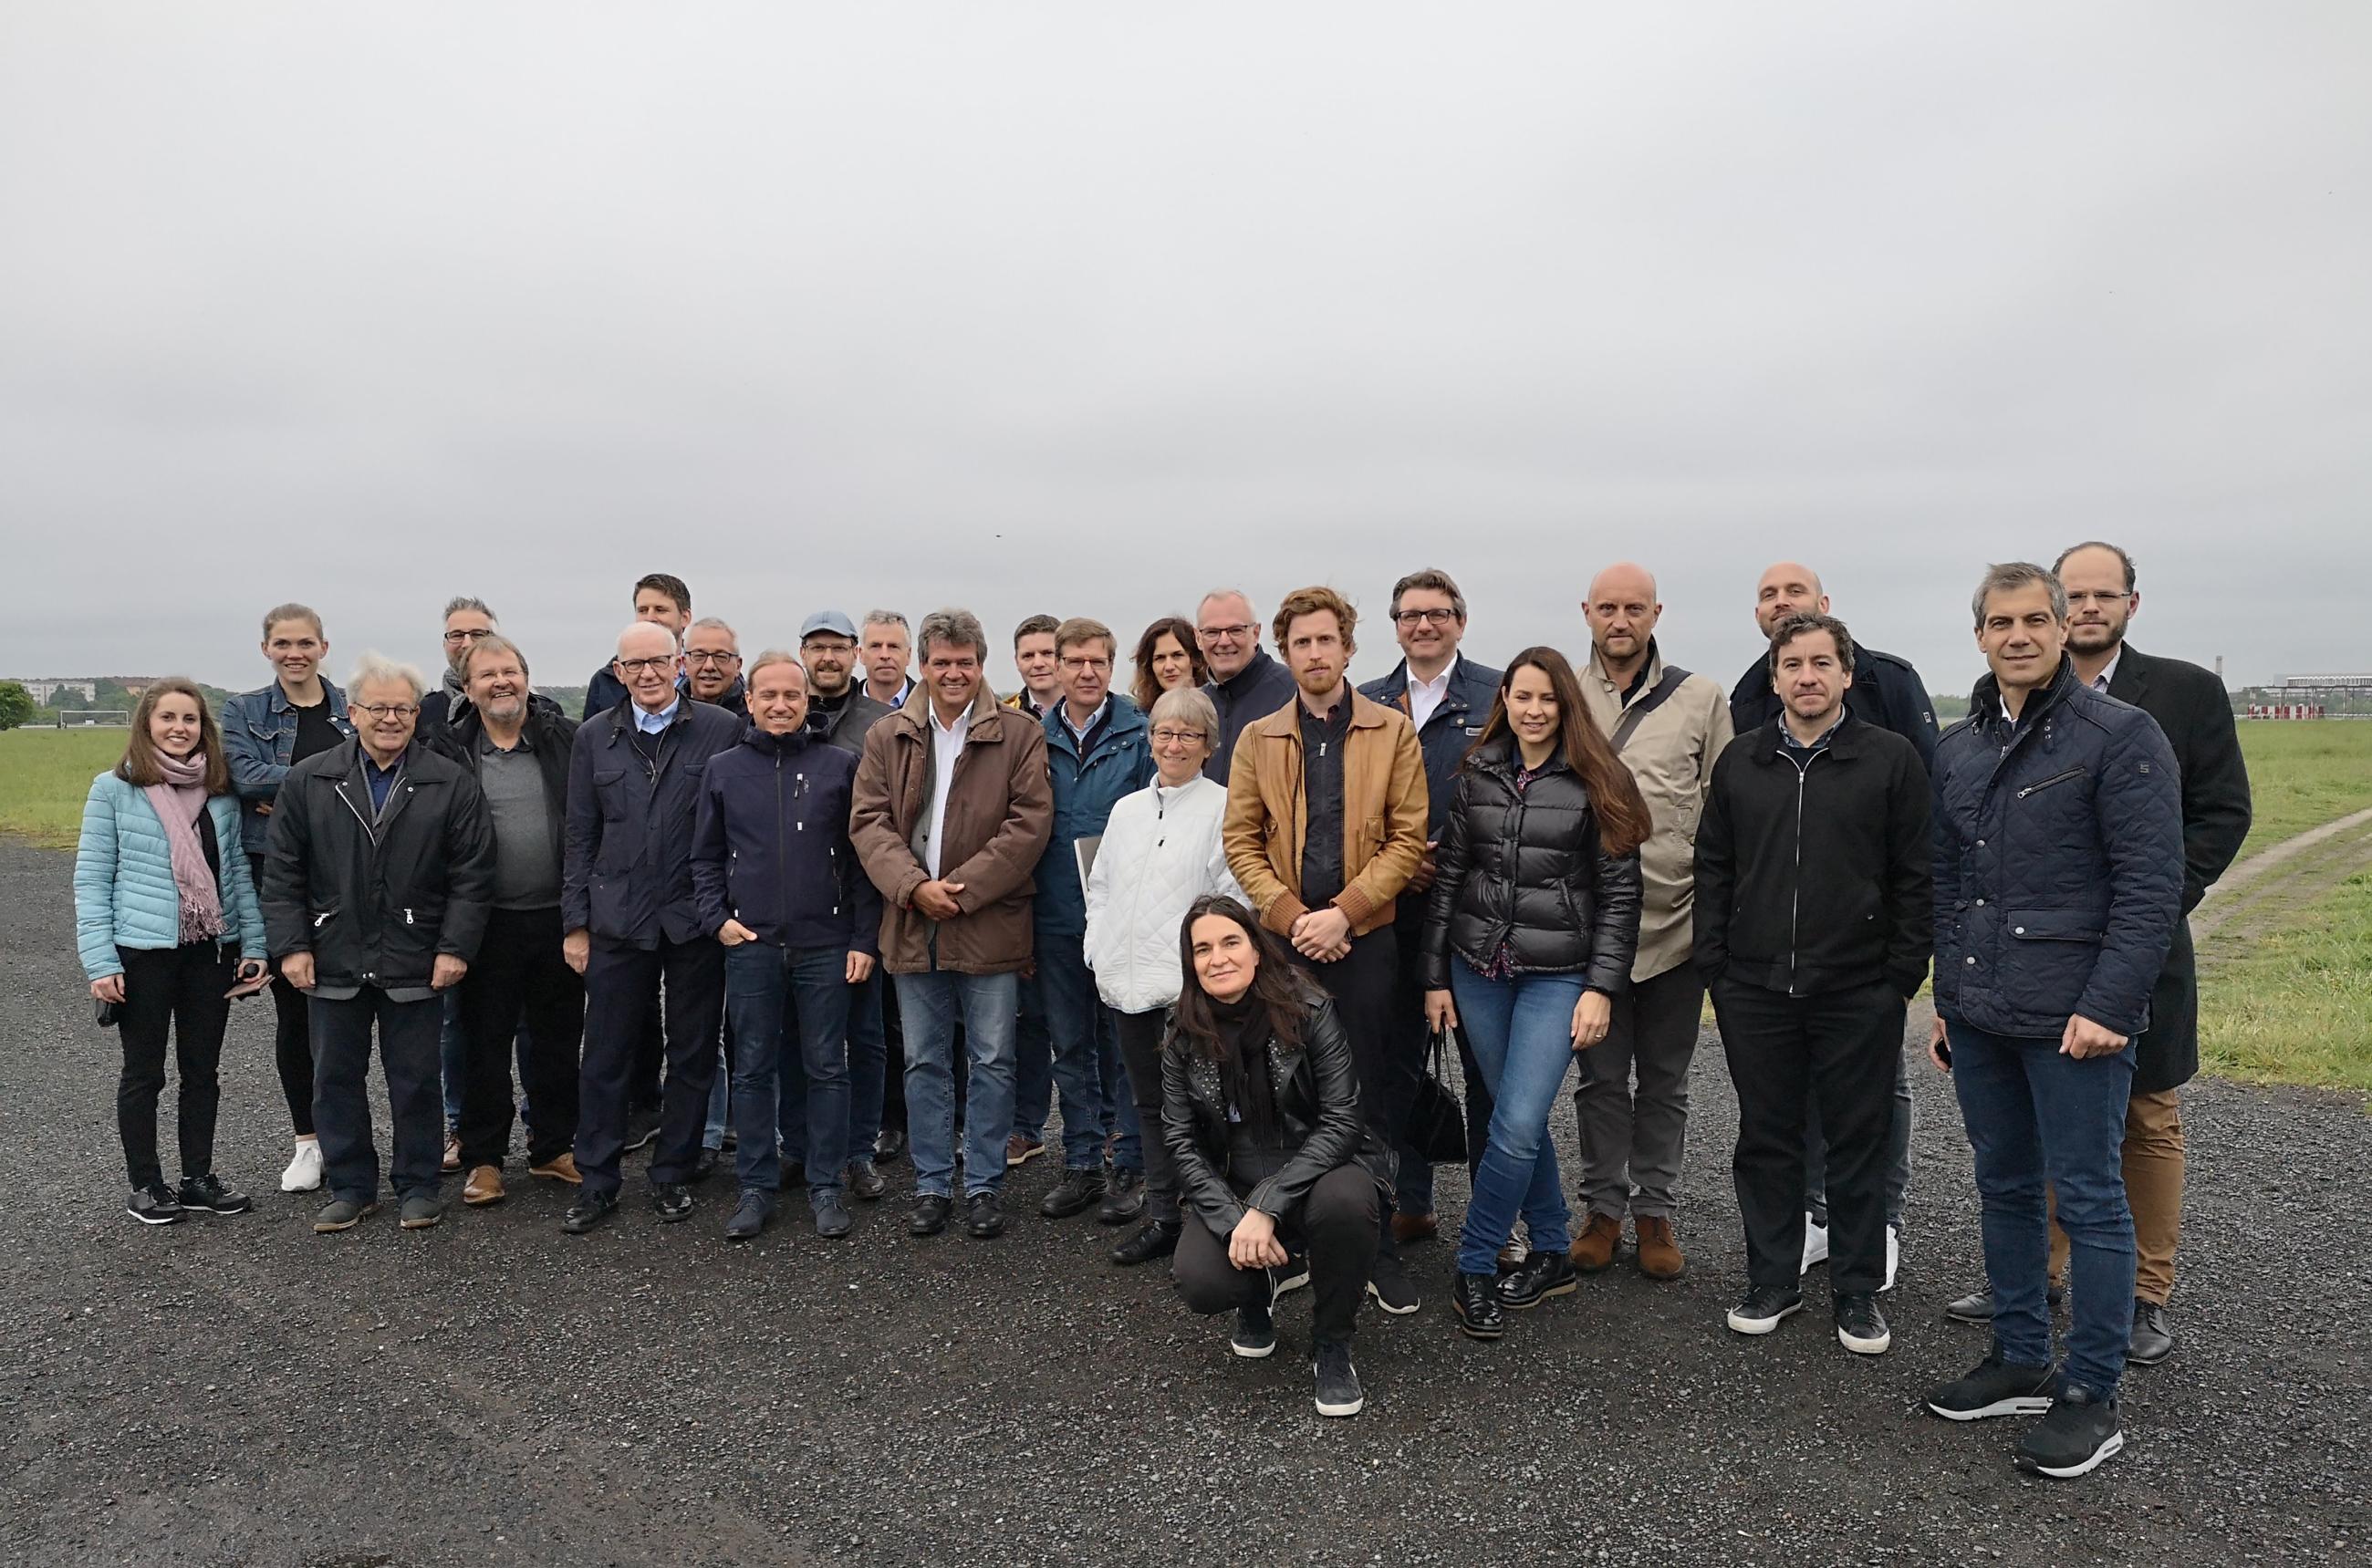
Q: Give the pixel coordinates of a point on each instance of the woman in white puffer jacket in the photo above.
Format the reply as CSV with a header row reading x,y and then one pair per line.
x,y
1160,853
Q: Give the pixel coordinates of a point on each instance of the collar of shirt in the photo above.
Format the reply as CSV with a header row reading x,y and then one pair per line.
x,y
651,723
957,729
487,747
1787,737
1426,696
1079,732
2108,673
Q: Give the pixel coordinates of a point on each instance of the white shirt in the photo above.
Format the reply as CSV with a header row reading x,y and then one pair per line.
x,y
946,745
2108,672
1424,696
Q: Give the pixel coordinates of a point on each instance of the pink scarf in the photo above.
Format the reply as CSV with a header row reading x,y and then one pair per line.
x,y
177,803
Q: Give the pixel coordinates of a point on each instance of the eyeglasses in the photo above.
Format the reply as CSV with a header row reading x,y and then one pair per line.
x,y
1178,737
1429,616
1081,666
636,666
388,710
466,636
1223,633
697,657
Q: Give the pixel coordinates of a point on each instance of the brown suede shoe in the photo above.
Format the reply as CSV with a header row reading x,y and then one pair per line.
x,y
484,1187
452,1152
560,1167
1593,1248
1414,1227
1659,1249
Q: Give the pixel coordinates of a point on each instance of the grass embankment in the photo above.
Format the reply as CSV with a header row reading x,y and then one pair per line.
x,y
46,776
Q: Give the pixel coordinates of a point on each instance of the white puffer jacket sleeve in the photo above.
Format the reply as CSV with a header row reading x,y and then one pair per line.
x,y
1160,851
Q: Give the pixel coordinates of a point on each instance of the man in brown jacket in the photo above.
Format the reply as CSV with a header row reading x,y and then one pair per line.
x,y
953,810
1325,825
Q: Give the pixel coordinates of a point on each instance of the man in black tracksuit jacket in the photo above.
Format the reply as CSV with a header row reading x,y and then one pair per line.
x,y
1814,926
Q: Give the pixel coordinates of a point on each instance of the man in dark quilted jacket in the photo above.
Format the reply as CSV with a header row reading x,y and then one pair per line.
x,y
2058,844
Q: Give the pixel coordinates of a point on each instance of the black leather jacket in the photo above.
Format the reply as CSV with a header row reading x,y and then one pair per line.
x,y
1317,1101
1525,869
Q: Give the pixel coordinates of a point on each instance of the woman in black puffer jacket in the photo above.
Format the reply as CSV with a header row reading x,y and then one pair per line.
x,y
1533,920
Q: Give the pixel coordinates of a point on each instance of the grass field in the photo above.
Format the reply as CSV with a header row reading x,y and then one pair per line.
x,y
2289,999
2303,775
45,775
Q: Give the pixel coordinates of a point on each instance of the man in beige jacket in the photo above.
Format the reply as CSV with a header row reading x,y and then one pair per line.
x,y
1668,726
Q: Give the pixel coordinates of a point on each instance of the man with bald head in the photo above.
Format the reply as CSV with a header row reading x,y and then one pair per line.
x,y
1886,693
634,781
1246,684
1668,727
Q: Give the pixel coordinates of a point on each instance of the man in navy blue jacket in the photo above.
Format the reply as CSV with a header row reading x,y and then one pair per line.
x,y
2058,835
799,921
627,906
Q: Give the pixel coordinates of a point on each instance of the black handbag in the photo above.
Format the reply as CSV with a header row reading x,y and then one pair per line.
x,y
1437,1125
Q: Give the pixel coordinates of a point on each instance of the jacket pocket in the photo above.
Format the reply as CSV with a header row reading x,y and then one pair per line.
x,y
2069,776
2056,925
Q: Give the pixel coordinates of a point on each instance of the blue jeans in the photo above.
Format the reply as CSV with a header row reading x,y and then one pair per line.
x,y
1033,1061
2035,1117
1087,1072
1521,1033
866,1049
930,1003
770,993
720,1093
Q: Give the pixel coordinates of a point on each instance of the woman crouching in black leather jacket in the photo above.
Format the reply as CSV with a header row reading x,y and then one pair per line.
x,y
1259,1105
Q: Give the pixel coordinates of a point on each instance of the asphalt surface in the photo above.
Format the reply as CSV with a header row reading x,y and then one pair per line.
x,y
238,1391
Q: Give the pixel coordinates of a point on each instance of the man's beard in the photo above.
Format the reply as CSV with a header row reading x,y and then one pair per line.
x,y
2080,638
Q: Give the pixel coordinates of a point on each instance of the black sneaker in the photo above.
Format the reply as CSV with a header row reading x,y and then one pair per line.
x,y
1293,1276
864,1181
1159,1239
1255,1334
750,1215
208,1193
1389,1285
1861,1327
152,1204
1123,1197
421,1211
1539,1276
2079,1433
2152,1340
1977,1306
642,1126
832,1217
671,1200
1338,1380
929,1215
590,1209
1993,1389
982,1216
1078,1192
1474,1300
1764,1308
341,1214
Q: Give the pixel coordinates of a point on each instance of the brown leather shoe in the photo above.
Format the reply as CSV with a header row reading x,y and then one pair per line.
x,y
560,1167
484,1187
1593,1248
452,1151
1659,1249
1414,1227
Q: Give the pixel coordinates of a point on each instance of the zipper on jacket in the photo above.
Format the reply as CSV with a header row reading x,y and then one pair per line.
x,y
2046,783
1795,883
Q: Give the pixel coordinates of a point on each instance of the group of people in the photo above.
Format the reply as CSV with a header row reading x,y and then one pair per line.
x,y
1220,918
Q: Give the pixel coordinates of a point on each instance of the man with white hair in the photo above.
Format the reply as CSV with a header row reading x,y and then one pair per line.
x,y
1246,684
378,878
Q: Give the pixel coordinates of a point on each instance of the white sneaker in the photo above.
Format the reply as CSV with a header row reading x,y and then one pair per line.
x,y
304,1172
1816,1245
1893,1255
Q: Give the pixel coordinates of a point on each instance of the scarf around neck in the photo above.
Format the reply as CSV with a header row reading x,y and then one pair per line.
x,y
177,802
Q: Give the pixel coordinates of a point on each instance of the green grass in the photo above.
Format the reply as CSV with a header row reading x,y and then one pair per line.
x,y
2291,1003
44,777
2302,773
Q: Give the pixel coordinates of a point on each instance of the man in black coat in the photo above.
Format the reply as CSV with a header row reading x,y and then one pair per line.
x,y
1813,929
2191,706
377,883
1888,693
1246,685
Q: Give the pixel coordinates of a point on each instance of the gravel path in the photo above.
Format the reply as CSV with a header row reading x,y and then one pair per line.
x,y
241,1391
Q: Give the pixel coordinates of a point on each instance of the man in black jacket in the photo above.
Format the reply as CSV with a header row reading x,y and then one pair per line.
x,y
627,906
377,882
516,745
1813,929
1246,684
2058,853
2191,706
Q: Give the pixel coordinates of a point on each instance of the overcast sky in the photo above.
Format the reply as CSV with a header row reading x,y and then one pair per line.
x,y
1086,307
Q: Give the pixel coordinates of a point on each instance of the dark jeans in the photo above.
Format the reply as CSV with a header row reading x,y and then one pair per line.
x,y
519,973
1033,1061
1087,1073
1361,983
407,1050
2035,1117
292,1039
622,985
1336,1227
1899,1125
868,1074
779,996
1412,1041
1630,1145
174,993
1140,1049
1836,1051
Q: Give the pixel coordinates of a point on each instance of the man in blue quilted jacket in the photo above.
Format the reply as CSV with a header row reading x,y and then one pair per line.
x,y
2058,845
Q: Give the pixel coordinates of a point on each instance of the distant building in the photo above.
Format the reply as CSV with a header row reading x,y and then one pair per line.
x,y
46,689
43,690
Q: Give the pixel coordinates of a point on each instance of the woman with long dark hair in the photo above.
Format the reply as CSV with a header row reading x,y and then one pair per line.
x,y
1168,658
1260,1106
1528,937
168,928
